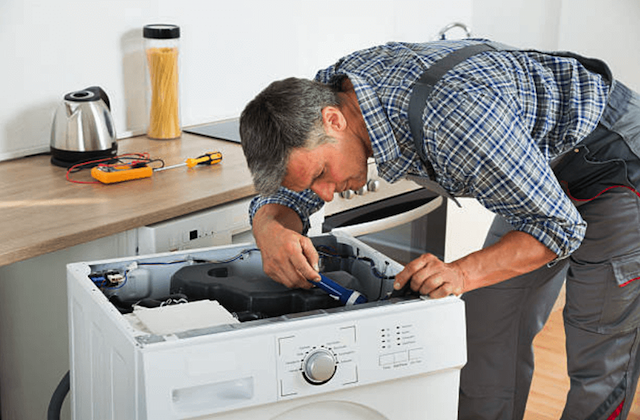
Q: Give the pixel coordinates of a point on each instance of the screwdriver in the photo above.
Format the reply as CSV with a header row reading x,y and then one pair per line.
x,y
346,296
120,173
206,159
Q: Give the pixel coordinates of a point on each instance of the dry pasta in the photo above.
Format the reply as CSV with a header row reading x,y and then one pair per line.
x,y
164,115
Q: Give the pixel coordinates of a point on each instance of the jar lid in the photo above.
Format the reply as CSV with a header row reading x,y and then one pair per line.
x,y
161,31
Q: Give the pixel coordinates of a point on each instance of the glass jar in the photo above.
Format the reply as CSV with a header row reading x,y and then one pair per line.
x,y
161,48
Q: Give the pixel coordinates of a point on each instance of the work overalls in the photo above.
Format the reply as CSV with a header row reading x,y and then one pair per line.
x,y
602,312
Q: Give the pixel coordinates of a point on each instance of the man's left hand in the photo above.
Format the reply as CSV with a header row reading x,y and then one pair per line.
x,y
514,254
430,276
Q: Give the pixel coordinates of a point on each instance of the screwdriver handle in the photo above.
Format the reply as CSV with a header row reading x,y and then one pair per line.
x,y
345,296
208,158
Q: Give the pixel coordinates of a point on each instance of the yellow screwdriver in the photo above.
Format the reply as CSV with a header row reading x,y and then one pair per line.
x,y
206,159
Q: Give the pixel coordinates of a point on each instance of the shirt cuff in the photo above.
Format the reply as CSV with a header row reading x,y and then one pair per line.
x,y
304,204
562,240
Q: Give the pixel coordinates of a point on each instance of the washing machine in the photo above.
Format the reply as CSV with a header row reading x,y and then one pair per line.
x,y
205,334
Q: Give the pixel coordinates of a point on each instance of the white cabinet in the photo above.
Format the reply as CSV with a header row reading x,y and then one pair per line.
x,y
34,343
34,349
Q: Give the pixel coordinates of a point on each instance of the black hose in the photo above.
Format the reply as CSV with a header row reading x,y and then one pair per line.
x,y
55,405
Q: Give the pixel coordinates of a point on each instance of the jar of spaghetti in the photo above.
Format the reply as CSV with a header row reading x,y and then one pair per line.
x,y
161,48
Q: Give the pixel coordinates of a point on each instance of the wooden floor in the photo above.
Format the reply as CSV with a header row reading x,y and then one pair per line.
x,y
550,382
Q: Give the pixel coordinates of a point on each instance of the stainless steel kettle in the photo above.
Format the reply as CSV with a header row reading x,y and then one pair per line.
x,y
83,129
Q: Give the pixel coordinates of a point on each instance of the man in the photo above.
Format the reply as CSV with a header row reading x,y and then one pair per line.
x,y
548,142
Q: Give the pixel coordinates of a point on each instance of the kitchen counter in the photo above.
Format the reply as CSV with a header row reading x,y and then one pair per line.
x,y
42,212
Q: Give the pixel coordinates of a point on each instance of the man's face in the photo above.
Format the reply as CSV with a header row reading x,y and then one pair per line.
x,y
329,168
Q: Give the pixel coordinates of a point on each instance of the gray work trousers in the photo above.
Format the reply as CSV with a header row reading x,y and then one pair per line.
x,y
601,315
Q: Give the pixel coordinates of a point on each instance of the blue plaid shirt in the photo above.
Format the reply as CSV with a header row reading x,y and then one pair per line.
x,y
492,125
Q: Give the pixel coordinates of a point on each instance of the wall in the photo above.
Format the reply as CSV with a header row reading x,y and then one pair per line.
x,y
519,23
609,30
604,29
229,51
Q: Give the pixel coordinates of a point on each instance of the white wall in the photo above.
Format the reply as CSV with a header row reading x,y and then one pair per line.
x,y
609,30
521,23
229,51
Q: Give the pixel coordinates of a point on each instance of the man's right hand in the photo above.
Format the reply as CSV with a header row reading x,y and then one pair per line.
x,y
288,257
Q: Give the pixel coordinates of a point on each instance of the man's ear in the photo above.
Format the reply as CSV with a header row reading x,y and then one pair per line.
x,y
333,119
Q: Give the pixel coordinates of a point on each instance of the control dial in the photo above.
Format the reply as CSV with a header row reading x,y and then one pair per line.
x,y
373,185
348,194
319,367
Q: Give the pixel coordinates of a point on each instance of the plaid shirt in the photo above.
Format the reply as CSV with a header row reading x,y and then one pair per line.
x,y
492,125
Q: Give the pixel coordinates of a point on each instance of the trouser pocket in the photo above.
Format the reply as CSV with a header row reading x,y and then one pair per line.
x,y
622,306
603,281
601,161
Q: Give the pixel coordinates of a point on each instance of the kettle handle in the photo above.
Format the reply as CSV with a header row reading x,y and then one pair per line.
x,y
101,93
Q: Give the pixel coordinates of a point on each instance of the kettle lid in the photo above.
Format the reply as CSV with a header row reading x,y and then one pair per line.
x,y
90,94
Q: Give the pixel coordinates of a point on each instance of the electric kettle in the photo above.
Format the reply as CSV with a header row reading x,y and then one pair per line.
x,y
83,129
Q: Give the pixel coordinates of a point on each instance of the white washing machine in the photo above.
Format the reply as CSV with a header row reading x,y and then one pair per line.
x,y
205,334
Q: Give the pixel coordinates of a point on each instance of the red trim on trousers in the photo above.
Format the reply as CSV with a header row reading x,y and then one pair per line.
x,y
625,283
600,193
617,412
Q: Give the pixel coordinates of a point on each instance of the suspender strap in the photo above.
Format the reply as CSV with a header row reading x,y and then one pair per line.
x,y
423,88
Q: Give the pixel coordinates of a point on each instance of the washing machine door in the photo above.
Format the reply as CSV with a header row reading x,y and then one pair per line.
x,y
325,410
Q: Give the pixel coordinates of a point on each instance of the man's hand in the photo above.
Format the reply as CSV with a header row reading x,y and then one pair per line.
x,y
287,256
514,254
430,276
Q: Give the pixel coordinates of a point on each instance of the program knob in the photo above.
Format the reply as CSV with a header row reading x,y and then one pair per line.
x,y
362,191
373,185
319,367
348,194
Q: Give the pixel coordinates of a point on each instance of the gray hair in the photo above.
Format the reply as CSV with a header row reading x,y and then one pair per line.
x,y
284,116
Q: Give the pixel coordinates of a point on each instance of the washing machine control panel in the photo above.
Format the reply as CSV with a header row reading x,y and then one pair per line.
x,y
311,359
393,344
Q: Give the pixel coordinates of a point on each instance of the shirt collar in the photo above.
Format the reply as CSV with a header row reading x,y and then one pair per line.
x,y
383,143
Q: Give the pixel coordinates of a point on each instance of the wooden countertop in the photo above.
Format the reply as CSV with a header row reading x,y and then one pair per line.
x,y
42,212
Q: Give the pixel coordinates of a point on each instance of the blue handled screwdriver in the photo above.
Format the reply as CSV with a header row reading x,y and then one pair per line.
x,y
336,291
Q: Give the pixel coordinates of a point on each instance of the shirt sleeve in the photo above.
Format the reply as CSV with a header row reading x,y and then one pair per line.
x,y
304,203
483,146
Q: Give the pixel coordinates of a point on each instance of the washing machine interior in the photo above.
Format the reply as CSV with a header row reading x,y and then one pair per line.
x,y
238,283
